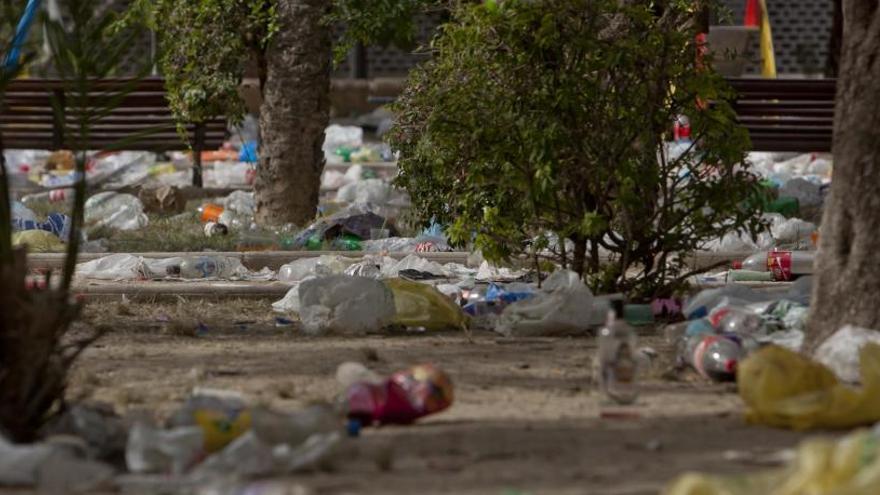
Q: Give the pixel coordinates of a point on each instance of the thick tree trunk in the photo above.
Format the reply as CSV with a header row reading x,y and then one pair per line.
x,y
847,284
294,114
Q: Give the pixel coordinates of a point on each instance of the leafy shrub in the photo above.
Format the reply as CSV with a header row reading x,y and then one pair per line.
x,y
539,129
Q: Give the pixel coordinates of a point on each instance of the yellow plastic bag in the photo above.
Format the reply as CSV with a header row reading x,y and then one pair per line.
x,y
421,305
38,241
784,389
219,428
849,466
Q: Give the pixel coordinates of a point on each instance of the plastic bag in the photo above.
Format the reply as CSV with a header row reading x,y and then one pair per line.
x,y
420,305
848,466
563,305
784,389
115,210
151,450
336,136
840,352
39,241
340,303
413,262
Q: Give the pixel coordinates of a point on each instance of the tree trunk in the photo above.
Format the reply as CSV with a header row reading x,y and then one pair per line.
x,y
847,282
294,114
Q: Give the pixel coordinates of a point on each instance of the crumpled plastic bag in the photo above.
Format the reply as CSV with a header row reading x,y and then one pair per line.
x,y
421,305
39,241
115,210
413,262
840,352
784,389
563,305
344,304
848,466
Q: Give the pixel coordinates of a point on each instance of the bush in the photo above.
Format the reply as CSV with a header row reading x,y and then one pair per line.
x,y
542,125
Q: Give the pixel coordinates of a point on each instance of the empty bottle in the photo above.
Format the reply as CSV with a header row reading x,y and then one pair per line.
x,y
716,357
203,267
784,265
400,399
616,357
736,320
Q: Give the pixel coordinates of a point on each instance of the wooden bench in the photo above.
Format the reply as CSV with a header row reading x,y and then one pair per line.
x,y
786,114
141,117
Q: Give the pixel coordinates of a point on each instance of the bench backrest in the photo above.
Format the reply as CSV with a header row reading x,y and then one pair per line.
x,y
786,114
28,119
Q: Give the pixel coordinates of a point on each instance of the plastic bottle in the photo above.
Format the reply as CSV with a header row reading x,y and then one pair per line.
x,y
616,357
785,265
736,320
202,267
400,399
716,357
64,195
755,263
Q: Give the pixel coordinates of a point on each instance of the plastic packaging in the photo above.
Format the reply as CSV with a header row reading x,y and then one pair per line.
x,y
52,468
151,450
736,320
413,262
422,306
198,267
715,357
786,265
840,351
848,465
56,223
115,210
339,303
401,399
337,136
785,389
220,415
38,241
563,305
616,362
314,266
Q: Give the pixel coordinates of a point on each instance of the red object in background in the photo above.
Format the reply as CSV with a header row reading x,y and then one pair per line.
x,y
752,16
211,212
779,263
401,399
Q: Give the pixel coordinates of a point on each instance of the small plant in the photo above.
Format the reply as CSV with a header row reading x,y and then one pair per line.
x,y
36,348
540,129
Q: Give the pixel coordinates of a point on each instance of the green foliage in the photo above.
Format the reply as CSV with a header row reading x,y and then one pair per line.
x,y
381,22
541,125
205,48
206,45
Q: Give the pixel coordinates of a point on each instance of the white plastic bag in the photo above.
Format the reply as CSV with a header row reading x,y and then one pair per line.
x,y
339,303
563,305
413,262
336,136
115,210
840,351
119,266
151,450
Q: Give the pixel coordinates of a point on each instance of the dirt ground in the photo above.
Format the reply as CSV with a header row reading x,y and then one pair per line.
x,y
526,419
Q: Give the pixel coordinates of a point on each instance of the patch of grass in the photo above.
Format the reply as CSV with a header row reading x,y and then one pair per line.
x,y
184,232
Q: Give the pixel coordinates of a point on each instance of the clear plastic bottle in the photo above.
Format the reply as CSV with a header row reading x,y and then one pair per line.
x,y
202,267
616,357
784,264
714,356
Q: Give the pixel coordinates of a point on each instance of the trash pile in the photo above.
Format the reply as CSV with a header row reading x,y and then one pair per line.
x,y
726,324
217,435
850,464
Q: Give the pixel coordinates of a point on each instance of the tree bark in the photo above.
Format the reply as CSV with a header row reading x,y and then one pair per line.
x,y
294,114
847,282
